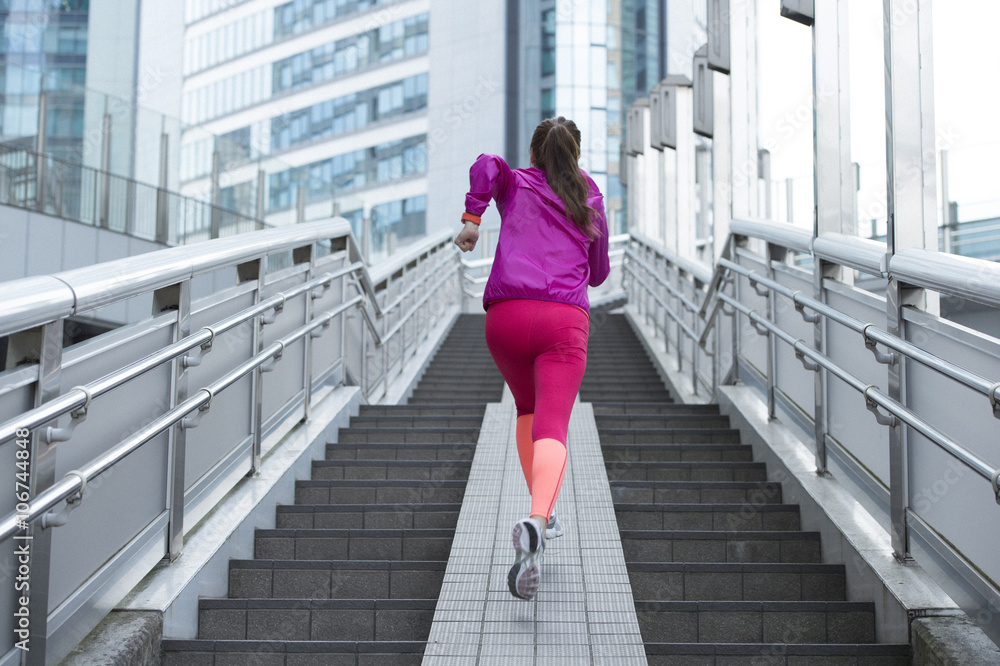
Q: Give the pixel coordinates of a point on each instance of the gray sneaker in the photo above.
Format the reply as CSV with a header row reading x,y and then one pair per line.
x,y
553,530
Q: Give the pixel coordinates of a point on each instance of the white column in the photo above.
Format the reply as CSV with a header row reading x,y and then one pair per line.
x,y
742,108
684,199
833,173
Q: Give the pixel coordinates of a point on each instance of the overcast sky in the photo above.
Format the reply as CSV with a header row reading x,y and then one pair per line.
x,y
967,101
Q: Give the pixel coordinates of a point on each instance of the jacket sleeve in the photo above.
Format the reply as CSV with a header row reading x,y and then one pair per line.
x,y
489,178
600,262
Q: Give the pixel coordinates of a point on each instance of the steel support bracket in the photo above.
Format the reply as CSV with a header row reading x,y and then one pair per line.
x,y
190,361
318,332
761,291
994,401
268,366
269,319
996,485
886,358
76,417
806,362
59,518
872,406
808,317
761,329
189,422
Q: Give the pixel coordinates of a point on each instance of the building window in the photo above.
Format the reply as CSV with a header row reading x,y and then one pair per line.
x,y
548,42
548,103
348,113
383,163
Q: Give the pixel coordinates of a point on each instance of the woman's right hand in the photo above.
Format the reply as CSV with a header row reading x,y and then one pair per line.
x,y
468,237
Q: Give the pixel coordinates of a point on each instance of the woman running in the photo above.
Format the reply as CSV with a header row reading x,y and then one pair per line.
x,y
553,244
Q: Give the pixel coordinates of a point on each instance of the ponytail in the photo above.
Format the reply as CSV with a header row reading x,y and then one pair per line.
x,y
556,147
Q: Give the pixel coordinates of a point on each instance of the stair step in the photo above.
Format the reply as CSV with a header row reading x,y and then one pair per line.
x,y
378,492
783,622
423,421
598,395
671,452
457,393
776,654
603,409
668,435
406,435
686,471
335,579
715,421
292,653
721,547
315,619
694,492
352,544
368,516
395,451
757,517
443,409
452,470
687,581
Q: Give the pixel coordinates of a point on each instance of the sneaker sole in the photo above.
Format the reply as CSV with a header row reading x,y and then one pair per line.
x,y
524,577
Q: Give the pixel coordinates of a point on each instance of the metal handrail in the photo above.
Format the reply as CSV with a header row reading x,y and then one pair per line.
x,y
684,300
79,396
785,235
873,396
33,301
688,331
875,334
74,482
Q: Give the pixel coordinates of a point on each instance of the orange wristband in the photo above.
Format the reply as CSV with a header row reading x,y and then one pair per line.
x,y
469,217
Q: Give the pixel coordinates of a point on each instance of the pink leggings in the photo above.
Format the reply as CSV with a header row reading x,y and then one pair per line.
x,y
540,348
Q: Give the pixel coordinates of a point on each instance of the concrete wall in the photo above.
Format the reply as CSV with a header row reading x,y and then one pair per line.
x,y
36,244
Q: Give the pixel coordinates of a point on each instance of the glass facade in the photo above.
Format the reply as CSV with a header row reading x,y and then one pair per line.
x,y
345,114
43,49
384,44
265,27
379,164
195,10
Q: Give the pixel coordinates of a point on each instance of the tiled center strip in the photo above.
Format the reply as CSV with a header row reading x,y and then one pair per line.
x,y
584,611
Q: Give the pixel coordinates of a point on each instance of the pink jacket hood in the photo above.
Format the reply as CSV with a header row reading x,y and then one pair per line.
x,y
541,254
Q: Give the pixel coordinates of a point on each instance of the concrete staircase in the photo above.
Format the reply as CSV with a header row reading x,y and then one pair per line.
x,y
720,569
352,571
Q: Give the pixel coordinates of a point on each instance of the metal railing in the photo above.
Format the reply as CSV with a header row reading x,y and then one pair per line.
x,y
47,184
172,411
475,273
810,342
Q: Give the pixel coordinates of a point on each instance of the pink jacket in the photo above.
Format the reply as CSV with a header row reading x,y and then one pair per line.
x,y
541,253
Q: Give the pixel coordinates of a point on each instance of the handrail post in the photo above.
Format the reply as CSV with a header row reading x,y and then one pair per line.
x,y
40,148
216,211
254,270
162,200
303,255
105,193
911,204
820,378
772,343
177,296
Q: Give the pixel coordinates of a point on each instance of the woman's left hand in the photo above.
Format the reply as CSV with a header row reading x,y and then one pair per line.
x,y
467,237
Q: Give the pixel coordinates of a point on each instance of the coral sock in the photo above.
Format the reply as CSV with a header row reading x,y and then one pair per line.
x,y
547,470
525,445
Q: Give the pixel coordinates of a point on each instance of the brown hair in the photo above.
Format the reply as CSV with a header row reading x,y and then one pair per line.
x,y
556,148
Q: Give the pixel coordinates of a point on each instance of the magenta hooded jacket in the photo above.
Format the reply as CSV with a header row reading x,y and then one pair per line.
x,y
541,253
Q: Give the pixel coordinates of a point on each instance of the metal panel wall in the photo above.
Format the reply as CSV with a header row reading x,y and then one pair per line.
x,y
105,523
